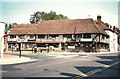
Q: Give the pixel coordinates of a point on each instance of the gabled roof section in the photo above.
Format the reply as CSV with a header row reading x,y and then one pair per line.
x,y
76,26
104,26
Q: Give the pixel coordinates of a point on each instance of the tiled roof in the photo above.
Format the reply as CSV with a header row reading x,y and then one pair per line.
x,y
76,26
104,26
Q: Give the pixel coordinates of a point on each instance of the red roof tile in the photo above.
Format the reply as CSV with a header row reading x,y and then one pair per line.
x,y
103,25
76,26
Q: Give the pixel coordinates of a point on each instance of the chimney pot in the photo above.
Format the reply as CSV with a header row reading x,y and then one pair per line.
x,y
99,18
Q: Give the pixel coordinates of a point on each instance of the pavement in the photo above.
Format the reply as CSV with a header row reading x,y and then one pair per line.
x,y
13,57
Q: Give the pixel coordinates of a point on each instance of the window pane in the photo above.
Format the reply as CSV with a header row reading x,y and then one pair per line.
x,y
87,36
21,36
41,36
12,36
32,36
68,36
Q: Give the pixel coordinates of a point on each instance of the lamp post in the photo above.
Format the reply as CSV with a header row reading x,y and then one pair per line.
x,y
47,48
19,44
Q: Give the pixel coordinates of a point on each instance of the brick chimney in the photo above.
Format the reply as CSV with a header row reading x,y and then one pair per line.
x,y
99,18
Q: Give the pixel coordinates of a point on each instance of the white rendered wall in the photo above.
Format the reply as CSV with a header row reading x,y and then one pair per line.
x,y
2,29
115,36
113,41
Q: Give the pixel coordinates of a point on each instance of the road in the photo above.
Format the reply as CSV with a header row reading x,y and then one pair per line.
x,y
48,66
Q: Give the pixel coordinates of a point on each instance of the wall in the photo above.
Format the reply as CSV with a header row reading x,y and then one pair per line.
x,y
113,41
2,28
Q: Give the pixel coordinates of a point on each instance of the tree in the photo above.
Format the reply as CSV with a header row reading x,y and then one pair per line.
x,y
6,26
14,23
37,16
9,26
118,30
62,17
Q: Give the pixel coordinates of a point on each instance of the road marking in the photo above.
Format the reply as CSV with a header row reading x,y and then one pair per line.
x,y
96,71
84,75
107,66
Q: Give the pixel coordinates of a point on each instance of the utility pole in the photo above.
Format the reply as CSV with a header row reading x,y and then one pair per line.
x,y
20,49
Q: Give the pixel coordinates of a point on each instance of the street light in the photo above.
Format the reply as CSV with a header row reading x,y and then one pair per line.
x,y
19,43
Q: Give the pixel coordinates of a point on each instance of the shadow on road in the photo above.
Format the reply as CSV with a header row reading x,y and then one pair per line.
x,y
108,57
107,60
69,74
86,69
10,68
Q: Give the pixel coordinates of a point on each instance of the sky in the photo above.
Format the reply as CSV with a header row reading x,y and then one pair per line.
x,y
19,11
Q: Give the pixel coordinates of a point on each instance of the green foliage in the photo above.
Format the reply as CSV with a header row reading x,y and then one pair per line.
x,y
9,26
6,26
37,16
118,30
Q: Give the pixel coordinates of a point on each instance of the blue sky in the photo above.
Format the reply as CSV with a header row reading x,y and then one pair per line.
x,y
19,11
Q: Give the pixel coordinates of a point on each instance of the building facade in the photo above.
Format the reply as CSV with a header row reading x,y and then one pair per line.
x,y
64,35
118,42
2,29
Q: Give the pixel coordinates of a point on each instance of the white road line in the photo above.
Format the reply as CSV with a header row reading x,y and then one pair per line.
x,y
107,66
84,75
96,71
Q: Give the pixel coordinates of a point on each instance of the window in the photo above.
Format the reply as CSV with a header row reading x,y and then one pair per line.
x,y
87,36
41,36
21,36
32,36
68,36
53,36
103,37
41,45
79,36
119,40
12,36
30,45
